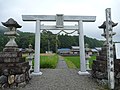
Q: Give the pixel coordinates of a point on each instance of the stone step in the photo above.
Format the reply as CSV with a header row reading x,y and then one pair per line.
x,y
12,59
104,49
10,49
10,54
102,58
102,53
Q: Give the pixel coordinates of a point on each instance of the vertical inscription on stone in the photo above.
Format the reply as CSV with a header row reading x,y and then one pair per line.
x,y
110,55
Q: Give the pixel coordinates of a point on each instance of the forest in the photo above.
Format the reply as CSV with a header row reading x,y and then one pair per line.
x,y
49,41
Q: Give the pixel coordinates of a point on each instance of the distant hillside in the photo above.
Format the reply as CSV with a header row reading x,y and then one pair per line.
x,y
74,41
3,29
48,40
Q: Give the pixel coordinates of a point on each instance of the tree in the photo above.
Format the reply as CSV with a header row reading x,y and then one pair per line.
x,y
48,39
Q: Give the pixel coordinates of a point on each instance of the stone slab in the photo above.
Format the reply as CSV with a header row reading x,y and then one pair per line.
x,y
10,54
83,73
11,60
102,58
10,49
117,47
36,73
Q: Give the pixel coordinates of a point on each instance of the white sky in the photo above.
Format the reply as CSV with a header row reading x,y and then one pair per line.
x,y
15,8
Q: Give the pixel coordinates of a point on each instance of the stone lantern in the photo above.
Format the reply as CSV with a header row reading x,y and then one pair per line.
x,y
103,26
30,56
12,25
14,70
87,56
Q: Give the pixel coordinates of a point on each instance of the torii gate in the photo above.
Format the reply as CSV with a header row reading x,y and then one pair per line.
x,y
59,18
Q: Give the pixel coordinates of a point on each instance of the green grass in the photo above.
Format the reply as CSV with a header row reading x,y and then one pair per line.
x,y
70,64
91,61
74,61
48,61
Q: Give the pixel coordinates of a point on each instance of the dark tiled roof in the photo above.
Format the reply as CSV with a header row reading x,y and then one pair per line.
x,y
11,22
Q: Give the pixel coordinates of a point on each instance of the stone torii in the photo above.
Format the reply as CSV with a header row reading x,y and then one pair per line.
x,y
59,19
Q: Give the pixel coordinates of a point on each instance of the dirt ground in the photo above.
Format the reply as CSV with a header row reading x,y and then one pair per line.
x,y
47,54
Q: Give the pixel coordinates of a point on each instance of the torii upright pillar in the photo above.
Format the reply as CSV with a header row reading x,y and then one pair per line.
x,y
82,49
37,49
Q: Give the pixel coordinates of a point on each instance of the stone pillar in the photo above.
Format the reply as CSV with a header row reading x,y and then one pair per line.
x,y
82,49
37,50
110,55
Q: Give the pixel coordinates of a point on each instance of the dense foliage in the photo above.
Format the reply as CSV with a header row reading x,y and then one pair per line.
x,y
48,40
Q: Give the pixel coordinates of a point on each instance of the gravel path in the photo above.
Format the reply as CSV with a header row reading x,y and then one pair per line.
x,y
61,63
61,78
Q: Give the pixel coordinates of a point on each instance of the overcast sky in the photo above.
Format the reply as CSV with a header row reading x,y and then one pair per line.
x,y
16,8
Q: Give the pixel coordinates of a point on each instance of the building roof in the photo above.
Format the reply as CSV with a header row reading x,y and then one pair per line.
x,y
63,49
75,47
98,48
11,22
94,50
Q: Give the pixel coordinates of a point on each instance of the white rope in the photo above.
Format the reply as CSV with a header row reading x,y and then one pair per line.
x,y
66,32
70,32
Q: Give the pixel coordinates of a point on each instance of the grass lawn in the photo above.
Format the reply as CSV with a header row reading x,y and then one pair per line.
x,y
74,61
48,61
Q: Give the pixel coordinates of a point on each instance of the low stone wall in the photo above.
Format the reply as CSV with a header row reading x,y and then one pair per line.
x,y
14,71
99,67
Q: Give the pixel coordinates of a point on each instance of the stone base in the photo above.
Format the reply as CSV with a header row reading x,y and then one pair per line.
x,y
36,74
88,69
83,73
